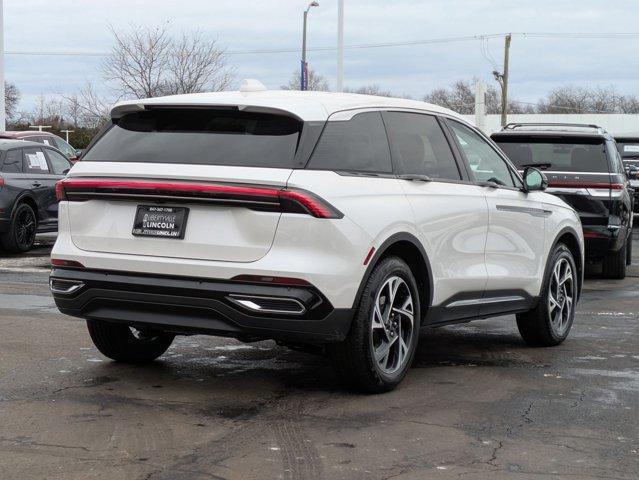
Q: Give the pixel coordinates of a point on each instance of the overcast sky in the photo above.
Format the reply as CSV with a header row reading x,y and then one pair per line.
x,y
537,64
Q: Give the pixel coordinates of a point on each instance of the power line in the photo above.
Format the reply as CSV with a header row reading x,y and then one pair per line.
x,y
432,41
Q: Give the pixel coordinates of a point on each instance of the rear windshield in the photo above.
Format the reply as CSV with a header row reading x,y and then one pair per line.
x,y
560,154
629,150
200,136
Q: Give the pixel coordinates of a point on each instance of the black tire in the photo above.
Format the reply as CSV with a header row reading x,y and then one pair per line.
x,y
354,358
535,326
614,264
118,342
21,234
629,250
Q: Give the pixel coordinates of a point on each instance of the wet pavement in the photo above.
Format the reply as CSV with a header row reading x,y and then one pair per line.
x,y
477,404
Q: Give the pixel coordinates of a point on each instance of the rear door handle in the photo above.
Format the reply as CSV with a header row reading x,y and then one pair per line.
x,y
36,184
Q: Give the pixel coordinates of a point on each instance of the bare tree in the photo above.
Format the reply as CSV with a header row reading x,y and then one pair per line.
x,y
11,99
460,97
148,62
315,82
574,99
87,108
370,90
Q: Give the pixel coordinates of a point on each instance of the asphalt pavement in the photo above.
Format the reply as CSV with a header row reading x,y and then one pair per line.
x,y
478,403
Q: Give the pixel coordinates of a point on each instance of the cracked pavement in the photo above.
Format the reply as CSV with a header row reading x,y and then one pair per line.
x,y
477,403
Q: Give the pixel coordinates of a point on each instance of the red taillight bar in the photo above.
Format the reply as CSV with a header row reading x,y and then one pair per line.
x,y
285,199
613,186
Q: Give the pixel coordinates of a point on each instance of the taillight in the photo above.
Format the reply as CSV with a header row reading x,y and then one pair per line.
x,y
250,196
594,189
57,262
59,191
1,182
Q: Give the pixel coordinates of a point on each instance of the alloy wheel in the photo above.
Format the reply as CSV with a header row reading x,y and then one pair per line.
x,y
392,325
25,228
561,293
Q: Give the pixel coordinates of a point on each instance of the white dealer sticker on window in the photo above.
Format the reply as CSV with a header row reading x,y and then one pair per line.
x,y
37,160
631,148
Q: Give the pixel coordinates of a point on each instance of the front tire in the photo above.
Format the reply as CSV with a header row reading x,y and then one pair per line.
x,y
381,344
125,344
22,231
629,250
549,323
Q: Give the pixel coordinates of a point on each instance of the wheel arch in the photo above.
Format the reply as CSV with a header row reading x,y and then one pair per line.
x,y
570,238
29,200
407,247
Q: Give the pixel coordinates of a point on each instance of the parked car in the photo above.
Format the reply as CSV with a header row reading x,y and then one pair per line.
x,y
628,146
47,139
336,220
585,170
28,205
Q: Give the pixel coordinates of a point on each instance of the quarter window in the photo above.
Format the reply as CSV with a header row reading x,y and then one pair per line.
x,y
35,161
419,146
59,163
358,145
485,163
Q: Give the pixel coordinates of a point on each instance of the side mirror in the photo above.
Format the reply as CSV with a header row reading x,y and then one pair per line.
x,y
78,153
534,179
633,172
66,171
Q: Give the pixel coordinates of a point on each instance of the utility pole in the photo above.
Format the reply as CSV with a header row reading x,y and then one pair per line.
x,y
340,45
3,115
304,71
502,79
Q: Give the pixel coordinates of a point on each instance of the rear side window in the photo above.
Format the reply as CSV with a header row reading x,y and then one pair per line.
x,y
356,145
64,147
561,154
12,161
59,162
420,147
200,136
34,161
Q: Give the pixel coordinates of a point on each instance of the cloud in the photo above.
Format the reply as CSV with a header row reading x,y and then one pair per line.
x,y
537,64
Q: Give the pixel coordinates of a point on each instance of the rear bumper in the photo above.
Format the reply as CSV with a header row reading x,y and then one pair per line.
x,y
599,240
196,306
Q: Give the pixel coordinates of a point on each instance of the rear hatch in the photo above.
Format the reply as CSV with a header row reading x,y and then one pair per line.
x,y
577,168
184,183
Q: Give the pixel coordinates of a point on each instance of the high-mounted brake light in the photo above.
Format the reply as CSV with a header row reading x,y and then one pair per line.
x,y
257,197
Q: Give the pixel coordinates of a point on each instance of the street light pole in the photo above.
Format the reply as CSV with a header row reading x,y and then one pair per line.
x,y
3,119
304,70
67,132
340,45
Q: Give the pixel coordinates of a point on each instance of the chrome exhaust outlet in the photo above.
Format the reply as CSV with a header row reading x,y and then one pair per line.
x,y
64,287
279,305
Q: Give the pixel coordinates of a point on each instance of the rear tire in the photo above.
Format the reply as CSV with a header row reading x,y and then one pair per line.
x,y
121,343
379,348
22,230
549,323
614,264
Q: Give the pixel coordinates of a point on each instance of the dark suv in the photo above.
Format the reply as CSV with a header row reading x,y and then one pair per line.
x,y
45,138
28,174
585,169
628,146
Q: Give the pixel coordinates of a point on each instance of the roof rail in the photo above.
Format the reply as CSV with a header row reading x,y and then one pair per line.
x,y
515,125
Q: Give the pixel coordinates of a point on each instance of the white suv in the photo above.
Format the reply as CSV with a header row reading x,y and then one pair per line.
x,y
339,220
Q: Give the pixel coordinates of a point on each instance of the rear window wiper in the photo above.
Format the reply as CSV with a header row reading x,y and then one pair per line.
x,y
541,166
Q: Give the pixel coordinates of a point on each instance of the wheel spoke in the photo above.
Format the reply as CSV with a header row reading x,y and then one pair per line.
x,y
393,313
553,302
